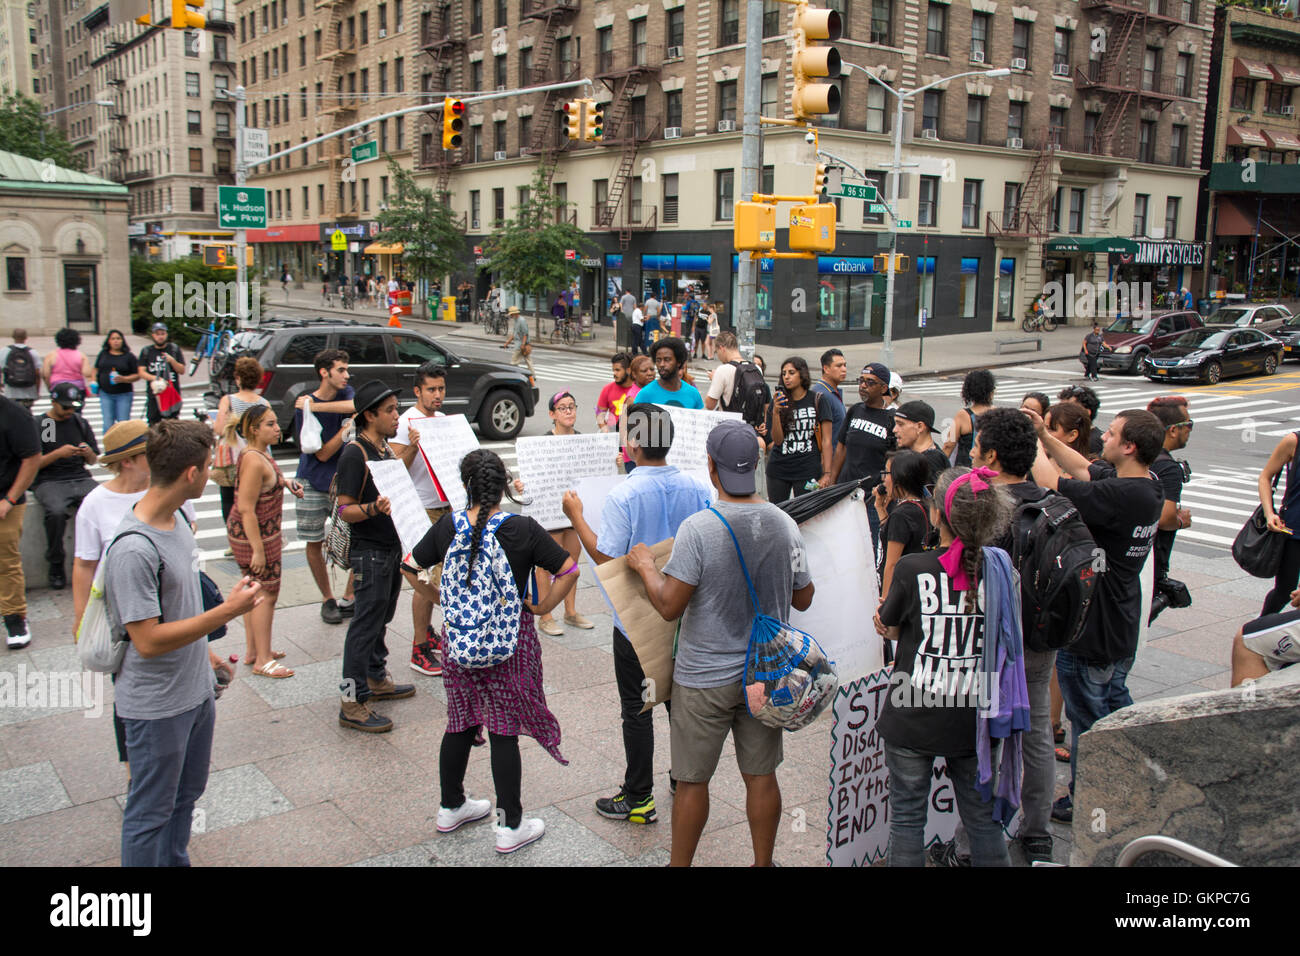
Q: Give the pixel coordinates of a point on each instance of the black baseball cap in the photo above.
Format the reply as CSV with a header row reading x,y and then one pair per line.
x,y
878,369
916,412
69,395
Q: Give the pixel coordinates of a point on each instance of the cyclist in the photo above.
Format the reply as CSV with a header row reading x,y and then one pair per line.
x,y
560,312
325,296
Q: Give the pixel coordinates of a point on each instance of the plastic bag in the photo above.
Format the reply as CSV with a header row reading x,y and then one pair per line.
x,y
309,438
789,680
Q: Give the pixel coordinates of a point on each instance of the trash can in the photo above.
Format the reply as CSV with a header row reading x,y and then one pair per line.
x,y
449,308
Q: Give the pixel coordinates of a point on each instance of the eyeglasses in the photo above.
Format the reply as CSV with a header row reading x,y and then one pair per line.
x,y
566,408
1187,424
870,382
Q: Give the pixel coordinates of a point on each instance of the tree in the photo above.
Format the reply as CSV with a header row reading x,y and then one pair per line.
x,y
528,252
433,244
23,130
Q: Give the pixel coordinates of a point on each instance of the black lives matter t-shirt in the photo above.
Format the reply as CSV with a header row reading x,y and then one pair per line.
x,y
867,436
799,455
1122,515
933,692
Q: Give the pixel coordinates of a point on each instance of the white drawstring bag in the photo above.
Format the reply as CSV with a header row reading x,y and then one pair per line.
x,y
309,438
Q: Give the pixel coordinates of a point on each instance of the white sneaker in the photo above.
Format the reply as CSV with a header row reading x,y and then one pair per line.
x,y
467,812
18,633
530,830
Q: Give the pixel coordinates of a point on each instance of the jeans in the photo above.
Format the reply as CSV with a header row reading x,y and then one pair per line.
x,y
376,584
507,773
116,408
910,776
1094,365
1090,691
1038,747
638,728
169,772
60,499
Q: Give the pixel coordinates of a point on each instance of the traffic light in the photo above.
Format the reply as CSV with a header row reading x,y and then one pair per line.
x,y
812,228
183,18
810,63
453,121
821,188
755,227
881,262
573,125
594,125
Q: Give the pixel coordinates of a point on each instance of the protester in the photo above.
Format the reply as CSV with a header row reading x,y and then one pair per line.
x,y
800,427
977,398
430,391
316,472
161,364
698,585
1173,414
866,436
669,356
1086,399
519,331
902,512
1285,519
913,427
164,689
1093,345
1121,506
506,698
66,363
1036,402
835,369
254,532
20,371
67,446
895,390
609,406
375,554
20,457
230,408
643,373
966,588
648,508
116,367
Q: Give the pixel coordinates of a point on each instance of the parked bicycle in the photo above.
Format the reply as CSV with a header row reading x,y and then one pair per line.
x,y
349,297
565,331
214,342
1038,321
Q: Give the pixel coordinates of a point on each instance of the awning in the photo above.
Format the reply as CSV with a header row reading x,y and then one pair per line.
x,y
1282,141
379,249
1067,245
1251,68
1287,74
1241,136
1104,245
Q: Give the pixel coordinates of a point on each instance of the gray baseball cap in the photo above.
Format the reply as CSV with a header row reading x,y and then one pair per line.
x,y
733,446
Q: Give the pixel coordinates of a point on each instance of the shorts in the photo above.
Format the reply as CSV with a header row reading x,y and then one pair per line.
x,y
312,512
435,514
701,720
1274,637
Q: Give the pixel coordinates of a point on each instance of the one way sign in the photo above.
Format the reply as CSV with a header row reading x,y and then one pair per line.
x,y
241,207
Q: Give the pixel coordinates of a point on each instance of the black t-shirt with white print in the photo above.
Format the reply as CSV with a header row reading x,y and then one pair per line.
x,y
868,436
907,523
799,455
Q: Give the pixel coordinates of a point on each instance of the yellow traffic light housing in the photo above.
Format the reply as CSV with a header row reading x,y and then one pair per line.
x,y
755,227
453,121
812,228
881,262
183,18
594,124
821,188
811,63
573,125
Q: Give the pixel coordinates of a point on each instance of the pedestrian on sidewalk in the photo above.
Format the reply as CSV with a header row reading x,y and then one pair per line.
x,y
231,407
164,689
698,585
977,391
116,369
627,306
20,457
801,435
376,552
1172,474
647,508
67,446
1285,520
20,366
162,363
254,532
519,332
506,698
66,363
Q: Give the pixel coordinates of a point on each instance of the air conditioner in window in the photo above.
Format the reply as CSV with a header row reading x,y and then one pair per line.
x,y
275,71
726,126
499,154
977,56
501,88
1061,69
265,30
929,134
382,34
1019,63
1288,111
672,132
1015,142
673,53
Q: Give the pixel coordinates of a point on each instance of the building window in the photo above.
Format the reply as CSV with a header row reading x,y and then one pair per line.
x,y
474,209
498,206
882,20
975,119
1058,117
927,212
771,92
724,191
476,75
399,75
970,203
499,72
499,136
1140,204
196,199
525,67
968,290
1171,217
926,279
1151,68
1187,10
600,197
1090,144
727,102
670,198
1076,210
979,38
16,274
306,204
222,121
730,31
932,111
501,13
1016,120
936,29
475,17
875,178
676,27
877,110
196,160
1178,146
673,108
640,55
194,121
1183,75
383,136
1061,48
1054,210
771,18
1020,41
192,43
1243,94
192,84
1278,96
1147,141
605,50
399,132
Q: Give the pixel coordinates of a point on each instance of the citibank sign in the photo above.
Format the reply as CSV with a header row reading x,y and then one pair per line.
x,y
1162,253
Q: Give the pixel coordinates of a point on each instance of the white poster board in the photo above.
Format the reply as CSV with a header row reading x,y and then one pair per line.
x,y
551,464
409,517
691,429
444,442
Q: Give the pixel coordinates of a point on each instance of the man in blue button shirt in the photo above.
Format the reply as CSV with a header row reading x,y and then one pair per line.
x,y
647,508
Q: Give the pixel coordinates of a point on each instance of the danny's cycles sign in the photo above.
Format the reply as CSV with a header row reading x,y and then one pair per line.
x,y
1169,254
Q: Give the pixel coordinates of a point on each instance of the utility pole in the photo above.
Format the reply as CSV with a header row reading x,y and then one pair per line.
x,y
751,165
241,235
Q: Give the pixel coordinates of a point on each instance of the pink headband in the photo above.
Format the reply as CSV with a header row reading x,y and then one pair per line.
x,y
951,559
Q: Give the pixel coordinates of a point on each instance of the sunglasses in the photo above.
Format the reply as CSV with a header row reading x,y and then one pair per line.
x,y
1187,424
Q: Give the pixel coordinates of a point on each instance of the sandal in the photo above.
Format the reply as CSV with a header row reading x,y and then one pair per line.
x,y
1063,754
273,669
252,661
1058,733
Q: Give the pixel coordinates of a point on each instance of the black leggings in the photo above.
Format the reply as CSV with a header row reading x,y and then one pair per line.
x,y
1287,577
507,772
227,502
778,489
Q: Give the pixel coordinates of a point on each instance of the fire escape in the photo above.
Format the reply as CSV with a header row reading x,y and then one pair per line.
x,y
338,53
548,140
442,36
621,71
118,138
1125,74
1028,219
221,64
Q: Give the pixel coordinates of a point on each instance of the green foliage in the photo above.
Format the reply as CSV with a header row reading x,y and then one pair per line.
x,y
23,130
145,275
528,251
434,242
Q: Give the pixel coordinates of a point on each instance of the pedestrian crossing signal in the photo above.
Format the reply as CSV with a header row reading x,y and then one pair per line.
x,y
453,121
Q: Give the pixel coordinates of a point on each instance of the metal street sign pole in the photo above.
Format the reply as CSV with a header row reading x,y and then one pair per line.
x,y
241,234
751,162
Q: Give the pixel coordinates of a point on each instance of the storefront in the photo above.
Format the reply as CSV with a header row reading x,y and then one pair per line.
x,y
386,260
295,248
765,297
351,260
671,278
1166,264
846,289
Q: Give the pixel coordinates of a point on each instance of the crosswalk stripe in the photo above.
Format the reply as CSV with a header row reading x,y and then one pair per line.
x,y
1271,414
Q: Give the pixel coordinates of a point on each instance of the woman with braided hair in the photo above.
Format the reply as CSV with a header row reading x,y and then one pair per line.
x,y
956,617
506,698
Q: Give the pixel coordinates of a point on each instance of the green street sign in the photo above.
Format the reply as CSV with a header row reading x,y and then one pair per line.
x,y
855,191
364,152
904,224
878,207
241,207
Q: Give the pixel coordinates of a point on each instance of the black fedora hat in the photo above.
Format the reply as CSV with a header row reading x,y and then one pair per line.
x,y
369,395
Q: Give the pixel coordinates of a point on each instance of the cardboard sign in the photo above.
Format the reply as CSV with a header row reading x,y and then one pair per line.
x,y
691,427
651,636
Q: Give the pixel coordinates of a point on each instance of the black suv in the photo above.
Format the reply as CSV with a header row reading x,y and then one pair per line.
x,y
497,396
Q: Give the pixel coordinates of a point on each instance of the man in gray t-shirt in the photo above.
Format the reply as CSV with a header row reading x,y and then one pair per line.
x,y
704,585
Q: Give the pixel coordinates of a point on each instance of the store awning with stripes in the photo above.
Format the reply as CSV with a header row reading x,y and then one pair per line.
x,y
379,249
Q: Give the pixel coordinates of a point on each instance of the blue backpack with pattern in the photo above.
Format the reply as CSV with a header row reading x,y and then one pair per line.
x,y
481,609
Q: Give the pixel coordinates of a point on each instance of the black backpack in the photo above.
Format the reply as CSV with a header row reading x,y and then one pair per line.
x,y
20,368
1056,557
747,393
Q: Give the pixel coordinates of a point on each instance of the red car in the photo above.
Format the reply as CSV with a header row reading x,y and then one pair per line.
x,y
1128,341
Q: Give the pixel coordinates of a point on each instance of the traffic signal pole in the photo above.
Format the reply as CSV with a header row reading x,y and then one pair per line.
x,y
241,235
751,164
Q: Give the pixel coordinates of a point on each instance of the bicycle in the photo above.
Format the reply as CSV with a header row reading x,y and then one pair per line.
x,y
565,331
1041,321
215,342
349,297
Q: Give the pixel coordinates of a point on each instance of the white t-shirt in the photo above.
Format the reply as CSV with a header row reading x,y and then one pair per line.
x,y
723,383
638,318
420,477
100,514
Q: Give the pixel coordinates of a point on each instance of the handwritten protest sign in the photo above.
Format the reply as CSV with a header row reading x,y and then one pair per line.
x,y
444,442
550,464
394,483
691,427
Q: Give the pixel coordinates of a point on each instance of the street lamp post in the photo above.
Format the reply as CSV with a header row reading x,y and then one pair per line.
x,y
887,345
73,106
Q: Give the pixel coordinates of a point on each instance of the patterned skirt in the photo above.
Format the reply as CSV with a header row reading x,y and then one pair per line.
x,y
270,509
507,699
